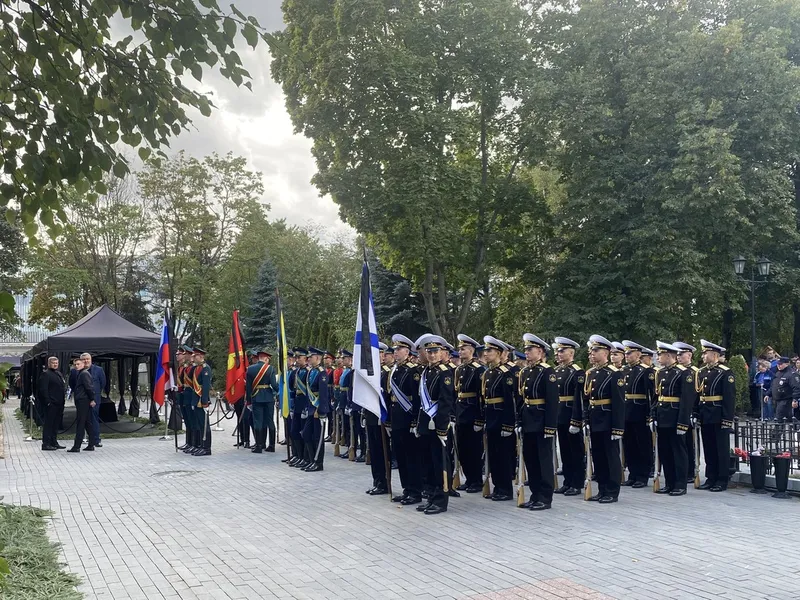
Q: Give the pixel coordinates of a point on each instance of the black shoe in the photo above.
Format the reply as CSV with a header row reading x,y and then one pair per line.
x,y
49,448
369,491
572,492
426,495
282,442
98,445
501,497
361,459
424,507
454,494
286,460
399,498
678,492
628,483
328,439
664,490
89,449
539,506
462,488
247,444
489,497
637,485
607,500
344,454
189,449
74,449
292,461
269,449
203,452
716,488
235,445
378,491
257,450
561,490
596,498
185,446
475,489
435,510
409,500
690,479
59,446
313,468
705,486
527,504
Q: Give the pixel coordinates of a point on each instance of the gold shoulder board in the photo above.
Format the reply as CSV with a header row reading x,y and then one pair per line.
x,y
443,367
504,368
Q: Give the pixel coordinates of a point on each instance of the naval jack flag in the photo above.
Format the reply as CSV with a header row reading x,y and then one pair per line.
x,y
366,353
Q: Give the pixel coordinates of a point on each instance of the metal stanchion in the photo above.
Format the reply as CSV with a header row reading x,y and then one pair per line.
x,y
217,427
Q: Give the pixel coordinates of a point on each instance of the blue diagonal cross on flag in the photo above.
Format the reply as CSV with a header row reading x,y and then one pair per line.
x,y
366,353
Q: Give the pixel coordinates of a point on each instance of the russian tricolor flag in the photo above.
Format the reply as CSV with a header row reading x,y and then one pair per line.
x,y
164,378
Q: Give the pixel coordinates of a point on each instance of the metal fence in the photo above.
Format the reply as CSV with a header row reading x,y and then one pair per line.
x,y
772,439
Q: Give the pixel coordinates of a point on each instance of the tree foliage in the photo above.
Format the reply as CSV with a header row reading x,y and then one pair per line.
x,y
79,79
12,255
261,319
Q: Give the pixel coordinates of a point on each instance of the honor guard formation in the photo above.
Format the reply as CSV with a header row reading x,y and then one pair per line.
x,y
501,417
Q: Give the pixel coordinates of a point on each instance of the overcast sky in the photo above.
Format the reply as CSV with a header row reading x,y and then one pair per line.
x,y
256,125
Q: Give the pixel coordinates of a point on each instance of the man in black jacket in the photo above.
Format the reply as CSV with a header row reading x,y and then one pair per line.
x,y
51,395
84,402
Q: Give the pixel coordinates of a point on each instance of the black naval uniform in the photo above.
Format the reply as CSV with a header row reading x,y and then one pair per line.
x,y
690,451
499,393
538,417
605,398
570,378
676,394
375,440
637,441
717,386
438,381
358,437
345,381
469,415
403,383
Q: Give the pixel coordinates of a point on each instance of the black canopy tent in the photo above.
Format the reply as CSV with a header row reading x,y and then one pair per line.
x,y
103,333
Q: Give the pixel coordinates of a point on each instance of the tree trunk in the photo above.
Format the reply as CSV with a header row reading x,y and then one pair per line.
x,y
427,298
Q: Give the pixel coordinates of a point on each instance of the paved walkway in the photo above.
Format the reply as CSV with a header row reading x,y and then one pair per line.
x,y
136,520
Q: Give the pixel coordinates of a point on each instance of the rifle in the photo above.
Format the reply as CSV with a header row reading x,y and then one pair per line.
x,y
387,461
696,457
657,472
351,453
336,448
445,462
587,443
367,457
622,460
457,463
555,463
486,493
520,473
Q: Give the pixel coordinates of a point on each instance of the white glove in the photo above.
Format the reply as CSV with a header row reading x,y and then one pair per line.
x,y
694,421
431,425
363,421
443,439
586,429
548,436
414,431
347,411
614,438
505,433
477,428
574,430
681,432
653,425
518,430
323,418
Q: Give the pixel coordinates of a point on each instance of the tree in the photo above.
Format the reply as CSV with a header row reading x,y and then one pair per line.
x,y
261,320
418,127
73,89
397,308
738,366
12,255
99,258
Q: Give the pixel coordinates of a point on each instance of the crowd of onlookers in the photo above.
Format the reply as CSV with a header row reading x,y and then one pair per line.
x,y
773,373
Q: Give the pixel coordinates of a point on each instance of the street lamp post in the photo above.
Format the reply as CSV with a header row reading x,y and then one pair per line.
x,y
761,266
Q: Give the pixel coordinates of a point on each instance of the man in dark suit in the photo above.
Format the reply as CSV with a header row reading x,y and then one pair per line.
x,y
52,388
84,403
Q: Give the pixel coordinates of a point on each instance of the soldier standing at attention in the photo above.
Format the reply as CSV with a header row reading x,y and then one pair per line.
x,y
538,418
300,408
570,378
717,386
499,393
639,397
375,439
685,359
261,388
603,391
676,394
318,406
202,386
469,415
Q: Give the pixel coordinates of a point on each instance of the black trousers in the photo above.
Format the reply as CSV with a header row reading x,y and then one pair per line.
x,y
470,453
716,449
360,439
407,451
573,457
205,424
638,445
538,453
83,423
377,460
52,422
672,452
501,460
607,465
243,422
435,457
313,440
344,429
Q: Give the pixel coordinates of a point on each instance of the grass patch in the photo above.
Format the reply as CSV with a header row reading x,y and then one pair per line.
x,y
144,432
33,561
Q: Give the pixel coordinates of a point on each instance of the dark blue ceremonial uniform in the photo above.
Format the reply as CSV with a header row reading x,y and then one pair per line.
x,y
438,383
637,441
676,393
717,386
469,415
318,409
499,397
202,376
299,411
570,378
403,382
261,388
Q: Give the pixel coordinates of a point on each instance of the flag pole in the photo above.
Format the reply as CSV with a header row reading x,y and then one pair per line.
x,y
387,461
165,437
